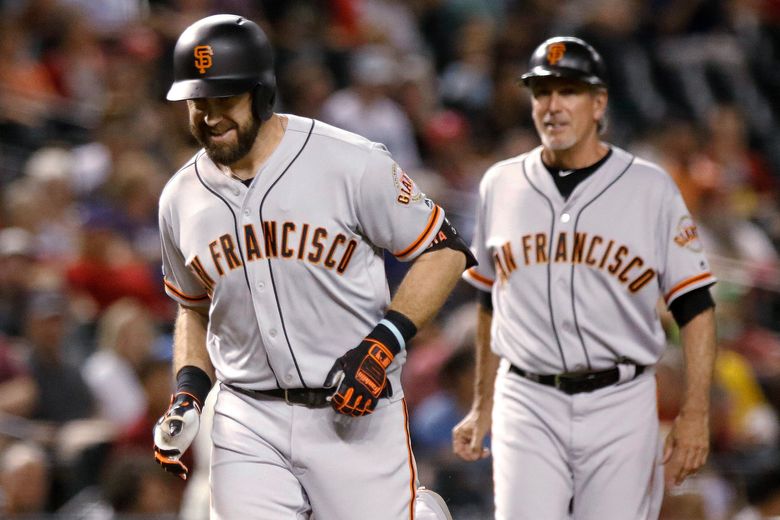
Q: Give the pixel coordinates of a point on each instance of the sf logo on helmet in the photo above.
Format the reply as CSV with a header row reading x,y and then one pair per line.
x,y
555,52
203,55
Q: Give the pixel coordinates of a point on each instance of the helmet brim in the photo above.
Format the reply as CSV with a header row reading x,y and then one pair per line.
x,y
560,72
207,88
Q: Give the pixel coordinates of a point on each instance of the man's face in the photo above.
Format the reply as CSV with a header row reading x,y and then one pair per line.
x,y
225,126
565,112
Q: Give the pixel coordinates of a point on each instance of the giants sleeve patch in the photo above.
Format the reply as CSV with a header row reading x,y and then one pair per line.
x,y
406,189
687,235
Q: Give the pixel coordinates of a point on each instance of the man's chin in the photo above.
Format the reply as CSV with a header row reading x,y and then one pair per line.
x,y
225,155
557,144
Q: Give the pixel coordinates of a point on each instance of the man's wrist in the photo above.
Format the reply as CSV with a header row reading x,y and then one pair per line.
x,y
193,381
394,331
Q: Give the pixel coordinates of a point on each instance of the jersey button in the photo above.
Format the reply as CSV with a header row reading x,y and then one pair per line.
x,y
246,212
565,218
272,333
288,378
261,286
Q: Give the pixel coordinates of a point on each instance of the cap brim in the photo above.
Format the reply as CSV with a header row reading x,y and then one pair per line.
x,y
205,88
540,72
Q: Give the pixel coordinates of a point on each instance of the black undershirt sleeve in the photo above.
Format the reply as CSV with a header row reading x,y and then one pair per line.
x,y
691,304
485,299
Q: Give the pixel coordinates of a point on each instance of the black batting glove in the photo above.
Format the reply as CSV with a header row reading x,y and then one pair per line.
x,y
359,377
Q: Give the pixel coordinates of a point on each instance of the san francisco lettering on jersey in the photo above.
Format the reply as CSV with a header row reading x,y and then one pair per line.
x,y
278,240
583,248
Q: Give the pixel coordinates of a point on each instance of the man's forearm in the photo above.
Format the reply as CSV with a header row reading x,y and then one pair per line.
x,y
189,341
698,340
427,285
487,362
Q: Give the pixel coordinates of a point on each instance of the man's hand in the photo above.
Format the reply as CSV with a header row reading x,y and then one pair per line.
x,y
359,378
175,431
469,434
686,447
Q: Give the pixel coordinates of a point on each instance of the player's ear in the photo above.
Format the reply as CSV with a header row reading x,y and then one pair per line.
x,y
600,98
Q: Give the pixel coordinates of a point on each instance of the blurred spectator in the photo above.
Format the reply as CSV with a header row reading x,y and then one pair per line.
x,y
434,418
402,34
466,83
157,383
741,167
18,392
366,108
48,175
17,263
134,188
108,268
62,393
750,422
125,334
27,92
24,481
135,487
305,86
77,65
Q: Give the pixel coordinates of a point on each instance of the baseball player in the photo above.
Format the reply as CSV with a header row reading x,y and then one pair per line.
x,y
577,240
272,238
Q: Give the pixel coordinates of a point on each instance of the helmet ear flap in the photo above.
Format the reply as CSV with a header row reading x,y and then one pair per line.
x,y
263,99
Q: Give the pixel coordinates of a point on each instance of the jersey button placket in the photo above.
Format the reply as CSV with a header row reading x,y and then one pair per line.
x,y
560,273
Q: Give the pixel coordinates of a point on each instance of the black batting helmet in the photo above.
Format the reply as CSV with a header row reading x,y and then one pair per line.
x,y
224,55
566,57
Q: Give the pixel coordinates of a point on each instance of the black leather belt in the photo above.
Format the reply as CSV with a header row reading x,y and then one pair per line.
x,y
308,397
576,382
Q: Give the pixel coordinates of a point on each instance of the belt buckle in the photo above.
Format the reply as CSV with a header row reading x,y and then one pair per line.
x,y
560,383
565,383
287,396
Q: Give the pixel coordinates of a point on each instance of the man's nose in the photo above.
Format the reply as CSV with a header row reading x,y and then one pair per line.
x,y
555,102
211,118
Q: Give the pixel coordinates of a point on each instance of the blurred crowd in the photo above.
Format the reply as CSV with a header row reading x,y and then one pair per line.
x,y
87,141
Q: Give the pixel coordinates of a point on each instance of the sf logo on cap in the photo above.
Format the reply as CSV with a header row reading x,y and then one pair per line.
x,y
203,55
555,52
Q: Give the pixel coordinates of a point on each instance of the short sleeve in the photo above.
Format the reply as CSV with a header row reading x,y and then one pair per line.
x,y
180,283
685,266
483,275
393,213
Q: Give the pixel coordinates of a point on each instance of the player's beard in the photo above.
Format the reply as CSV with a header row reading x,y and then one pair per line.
x,y
558,143
227,153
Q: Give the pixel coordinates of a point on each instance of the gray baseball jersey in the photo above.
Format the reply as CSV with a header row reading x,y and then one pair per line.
x,y
575,282
291,267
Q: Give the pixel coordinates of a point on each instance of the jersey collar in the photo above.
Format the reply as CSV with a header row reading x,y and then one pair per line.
x,y
541,179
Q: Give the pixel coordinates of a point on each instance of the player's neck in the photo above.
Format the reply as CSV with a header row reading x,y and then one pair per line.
x,y
579,156
268,138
